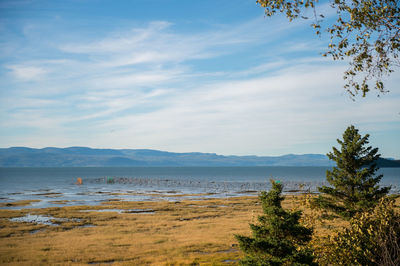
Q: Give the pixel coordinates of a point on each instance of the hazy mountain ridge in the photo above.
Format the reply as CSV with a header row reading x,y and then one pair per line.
x,y
86,157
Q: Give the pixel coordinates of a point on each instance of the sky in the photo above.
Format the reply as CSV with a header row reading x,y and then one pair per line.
x,y
180,76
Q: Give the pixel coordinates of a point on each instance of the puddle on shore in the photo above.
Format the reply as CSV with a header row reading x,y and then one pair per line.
x,y
37,231
149,211
40,219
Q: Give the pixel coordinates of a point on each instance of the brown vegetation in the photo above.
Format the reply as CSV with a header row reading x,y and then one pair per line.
x,y
164,233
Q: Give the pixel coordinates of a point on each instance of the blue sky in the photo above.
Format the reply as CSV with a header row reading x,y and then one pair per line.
x,y
204,76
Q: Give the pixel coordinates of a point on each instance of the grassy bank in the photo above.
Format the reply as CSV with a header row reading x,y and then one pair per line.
x,y
140,233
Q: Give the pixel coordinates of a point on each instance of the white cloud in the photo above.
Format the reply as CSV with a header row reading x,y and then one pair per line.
x,y
159,43
143,89
27,73
265,115
122,41
144,78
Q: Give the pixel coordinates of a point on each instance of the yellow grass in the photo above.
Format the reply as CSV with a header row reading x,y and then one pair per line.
x,y
177,233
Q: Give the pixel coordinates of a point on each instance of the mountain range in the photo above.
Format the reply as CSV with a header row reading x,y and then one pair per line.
x,y
88,157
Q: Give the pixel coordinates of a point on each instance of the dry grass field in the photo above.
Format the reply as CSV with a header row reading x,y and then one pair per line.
x,y
186,232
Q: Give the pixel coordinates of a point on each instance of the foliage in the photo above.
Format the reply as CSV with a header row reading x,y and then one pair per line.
x,y
373,238
355,186
278,239
366,31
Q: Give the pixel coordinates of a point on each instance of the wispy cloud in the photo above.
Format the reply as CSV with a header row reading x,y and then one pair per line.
x,y
27,73
157,43
146,87
120,42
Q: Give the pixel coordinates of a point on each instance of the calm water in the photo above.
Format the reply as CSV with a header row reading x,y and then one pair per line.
x,y
51,185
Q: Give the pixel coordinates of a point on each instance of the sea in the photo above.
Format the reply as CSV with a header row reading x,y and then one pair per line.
x,y
55,187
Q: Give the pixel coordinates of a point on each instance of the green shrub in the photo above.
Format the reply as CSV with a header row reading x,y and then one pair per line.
x,y
373,238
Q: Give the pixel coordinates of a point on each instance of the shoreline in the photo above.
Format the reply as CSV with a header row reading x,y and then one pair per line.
x,y
96,191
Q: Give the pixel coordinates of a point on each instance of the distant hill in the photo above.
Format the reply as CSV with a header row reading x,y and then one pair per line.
x,y
87,157
388,163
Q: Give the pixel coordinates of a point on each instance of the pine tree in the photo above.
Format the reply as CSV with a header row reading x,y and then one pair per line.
x,y
278,238
354,186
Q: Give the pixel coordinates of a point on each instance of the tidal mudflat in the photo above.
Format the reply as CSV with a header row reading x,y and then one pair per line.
x,y
117,232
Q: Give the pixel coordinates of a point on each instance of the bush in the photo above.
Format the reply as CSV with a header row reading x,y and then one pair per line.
x,y
373,238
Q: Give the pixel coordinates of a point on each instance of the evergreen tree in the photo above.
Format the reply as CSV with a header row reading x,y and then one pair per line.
x,y
278,239
354,184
